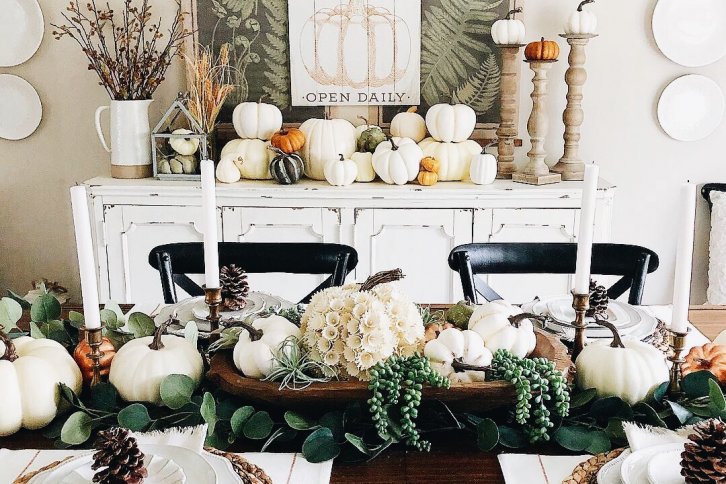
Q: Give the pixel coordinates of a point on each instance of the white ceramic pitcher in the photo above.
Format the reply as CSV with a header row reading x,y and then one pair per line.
x,y
130,138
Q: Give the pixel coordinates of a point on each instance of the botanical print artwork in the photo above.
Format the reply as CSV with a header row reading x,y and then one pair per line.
x,y
355,52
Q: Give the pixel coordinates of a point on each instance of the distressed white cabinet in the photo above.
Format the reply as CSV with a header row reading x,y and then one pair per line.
x,y
410,227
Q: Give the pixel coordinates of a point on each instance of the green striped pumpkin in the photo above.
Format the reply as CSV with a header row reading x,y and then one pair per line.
x,y
286,168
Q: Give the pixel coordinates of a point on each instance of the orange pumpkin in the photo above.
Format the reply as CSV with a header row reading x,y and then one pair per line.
x,y
427,178
429,163
710,357
288,140
542,50
80,355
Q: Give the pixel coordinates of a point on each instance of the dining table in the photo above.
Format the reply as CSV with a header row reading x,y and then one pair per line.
x,y
452,459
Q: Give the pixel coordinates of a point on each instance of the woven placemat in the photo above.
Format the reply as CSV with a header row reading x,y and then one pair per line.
x,y
586,473
247,471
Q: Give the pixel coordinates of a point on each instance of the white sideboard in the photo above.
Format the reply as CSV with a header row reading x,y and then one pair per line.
x,y
410,227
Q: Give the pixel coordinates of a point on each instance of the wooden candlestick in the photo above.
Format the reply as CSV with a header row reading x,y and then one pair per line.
x,y
536,172
571,166
508,109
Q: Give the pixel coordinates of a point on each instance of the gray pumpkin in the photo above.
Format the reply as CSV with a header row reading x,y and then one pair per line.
x,y
286,168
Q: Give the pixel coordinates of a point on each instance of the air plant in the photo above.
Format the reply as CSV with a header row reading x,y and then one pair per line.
x,y
294,369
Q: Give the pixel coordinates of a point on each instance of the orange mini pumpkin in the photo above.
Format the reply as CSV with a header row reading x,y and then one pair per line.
x,y
80,355
542,50
710,357
429,163
427,178
288,140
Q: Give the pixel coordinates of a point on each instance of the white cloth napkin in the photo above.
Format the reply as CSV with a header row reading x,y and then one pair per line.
x,y
538,469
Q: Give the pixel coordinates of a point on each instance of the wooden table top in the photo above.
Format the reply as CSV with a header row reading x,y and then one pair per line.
x,y
451,460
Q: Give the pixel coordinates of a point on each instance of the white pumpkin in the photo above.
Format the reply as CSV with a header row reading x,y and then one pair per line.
x,y
30,370
364,162
623,368
491,321
140,365
325,139
454,158
256,120
409,124
450,123
453,347
396,161
581,22
255,350
227,171
184,146
509,31
341,172
483,170
251,156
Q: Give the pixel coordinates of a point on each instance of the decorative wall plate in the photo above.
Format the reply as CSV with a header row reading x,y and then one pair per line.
x,y
21,31
691,107
691,33
20,108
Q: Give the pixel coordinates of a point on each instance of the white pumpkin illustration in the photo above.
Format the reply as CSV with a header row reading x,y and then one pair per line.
x,y
335,44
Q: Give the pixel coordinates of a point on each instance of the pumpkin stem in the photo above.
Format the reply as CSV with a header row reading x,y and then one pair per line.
x,y
277,150
412,109
342,158
156,343
513,12
393,145
617,340
459,366
584,2
255,334
9,354
382,278
491,143
364,120
518,318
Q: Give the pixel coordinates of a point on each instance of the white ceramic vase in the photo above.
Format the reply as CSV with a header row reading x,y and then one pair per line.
x,y
130,138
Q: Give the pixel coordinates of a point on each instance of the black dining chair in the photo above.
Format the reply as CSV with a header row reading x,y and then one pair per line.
x,y
175,261
631,262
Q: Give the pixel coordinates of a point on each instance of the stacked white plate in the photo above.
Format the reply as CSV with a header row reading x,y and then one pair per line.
x,y
660,464
630,320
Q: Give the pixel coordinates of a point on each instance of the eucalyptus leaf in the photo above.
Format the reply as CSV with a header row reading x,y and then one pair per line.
x,y
110,319
582,398
239,418
53,431
298,422
134,417
487,435
76,319
116,309
258,426
717,403
576,437
608,407
600,442
358,443
141,325
10,313
512,438
19,299
208,410
45,308
103,397
216,440
650,416
320,446
696,384
191,333
660,392
615,430
36,331
77,429
335,422
176,391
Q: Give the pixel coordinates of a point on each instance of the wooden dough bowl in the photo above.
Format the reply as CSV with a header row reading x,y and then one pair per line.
x,y
464,397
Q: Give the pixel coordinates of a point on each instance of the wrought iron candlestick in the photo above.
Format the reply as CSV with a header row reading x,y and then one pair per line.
x,y
508,109
571,166
537,172
94,338
677,343
213,299
580,303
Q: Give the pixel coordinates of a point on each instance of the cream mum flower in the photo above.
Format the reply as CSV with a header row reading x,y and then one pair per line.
x,y
330,332
353,341
324,345
366,360
337,304
349,354
331,358
316,322
332,318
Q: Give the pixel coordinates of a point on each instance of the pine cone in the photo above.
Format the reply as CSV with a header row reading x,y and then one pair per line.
x,y
704,457
598,300
234,287
119,458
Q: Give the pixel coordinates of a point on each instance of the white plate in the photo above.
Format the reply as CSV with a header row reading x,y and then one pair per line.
x,y
691,107
665,468
160,471
610,472
21,31
635,467
691,33
20,108
617,312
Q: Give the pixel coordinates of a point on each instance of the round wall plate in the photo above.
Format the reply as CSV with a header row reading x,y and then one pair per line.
x,y
20,108
21,31
691,108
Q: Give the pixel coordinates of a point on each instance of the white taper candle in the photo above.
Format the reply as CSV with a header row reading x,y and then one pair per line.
x,y
209,217
587,222
684,257
86,262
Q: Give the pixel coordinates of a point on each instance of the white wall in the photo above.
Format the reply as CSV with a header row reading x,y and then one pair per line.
x,y
627,74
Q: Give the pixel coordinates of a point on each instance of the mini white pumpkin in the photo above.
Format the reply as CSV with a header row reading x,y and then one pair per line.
x,y
255,350
509,31
256,120
454,158
623,368
325,139
227,171
454,350
409,124
483,169
492,321
341,172
30,370
176,166
140,365
189,163
581,22
450,122
251,156
184,146
364,161
397,160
